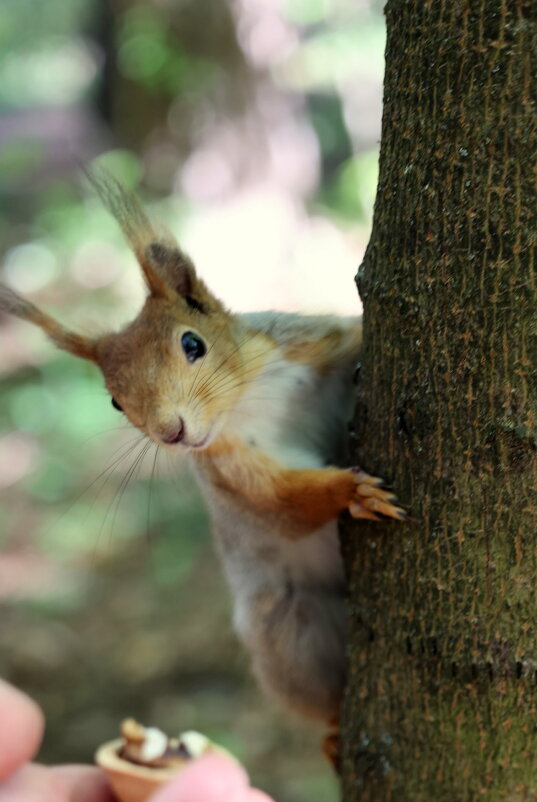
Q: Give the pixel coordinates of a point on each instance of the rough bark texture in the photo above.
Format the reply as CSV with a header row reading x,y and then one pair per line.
x,y
442,695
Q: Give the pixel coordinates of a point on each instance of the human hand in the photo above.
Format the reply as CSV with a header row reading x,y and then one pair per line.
x,y
213,778
21,730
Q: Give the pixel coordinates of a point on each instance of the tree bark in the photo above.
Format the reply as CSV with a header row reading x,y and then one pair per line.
x,y
442,695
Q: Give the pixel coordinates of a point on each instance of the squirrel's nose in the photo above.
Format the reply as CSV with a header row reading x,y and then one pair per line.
x,y
176,435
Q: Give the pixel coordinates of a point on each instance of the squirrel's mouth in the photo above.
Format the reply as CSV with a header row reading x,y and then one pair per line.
x,y
181,436
200,443
186,444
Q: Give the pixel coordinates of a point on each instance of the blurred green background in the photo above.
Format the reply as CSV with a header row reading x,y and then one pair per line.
x,y
250,127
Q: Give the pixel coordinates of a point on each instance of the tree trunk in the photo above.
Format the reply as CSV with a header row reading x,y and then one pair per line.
x,y
442,695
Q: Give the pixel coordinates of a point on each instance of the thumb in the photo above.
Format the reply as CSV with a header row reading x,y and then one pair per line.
x,y
212,778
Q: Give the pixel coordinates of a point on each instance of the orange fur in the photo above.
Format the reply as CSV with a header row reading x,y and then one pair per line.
x,y
307,497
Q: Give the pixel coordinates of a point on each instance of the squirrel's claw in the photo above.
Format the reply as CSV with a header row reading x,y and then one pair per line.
x,y
372,500
358,511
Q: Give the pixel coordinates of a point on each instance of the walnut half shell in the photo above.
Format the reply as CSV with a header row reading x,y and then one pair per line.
x,y
144,758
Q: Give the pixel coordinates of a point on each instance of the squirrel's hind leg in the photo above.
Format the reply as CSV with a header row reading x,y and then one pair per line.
x,y
298,648
332,748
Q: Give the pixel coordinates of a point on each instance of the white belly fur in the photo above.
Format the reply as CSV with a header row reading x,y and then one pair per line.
x,y
258,560
292,414
297,418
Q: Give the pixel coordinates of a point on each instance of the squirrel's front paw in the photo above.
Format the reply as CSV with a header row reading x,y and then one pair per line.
x,y
372,500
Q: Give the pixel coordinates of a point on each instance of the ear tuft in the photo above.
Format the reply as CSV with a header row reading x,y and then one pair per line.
x,y
14,304
168,271
172,265
134,222
77,344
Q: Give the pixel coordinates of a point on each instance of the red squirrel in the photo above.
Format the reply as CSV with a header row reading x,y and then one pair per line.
x,y
259,403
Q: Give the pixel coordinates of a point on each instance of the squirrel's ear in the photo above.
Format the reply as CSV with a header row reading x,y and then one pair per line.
x,y
167,270
166,258
76,344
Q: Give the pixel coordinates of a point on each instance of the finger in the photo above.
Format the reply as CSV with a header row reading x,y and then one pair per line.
x,y
33,784
213,778
84,783
21,729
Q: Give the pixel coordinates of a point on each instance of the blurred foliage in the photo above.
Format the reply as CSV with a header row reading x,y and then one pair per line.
x,y
112,602
149,55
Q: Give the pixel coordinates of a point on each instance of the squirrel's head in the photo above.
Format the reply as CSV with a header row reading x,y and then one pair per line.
x,y
178,368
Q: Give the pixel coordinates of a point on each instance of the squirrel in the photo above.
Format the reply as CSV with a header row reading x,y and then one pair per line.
x,y
259,402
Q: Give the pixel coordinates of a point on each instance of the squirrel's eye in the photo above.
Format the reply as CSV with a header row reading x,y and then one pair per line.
x,y
116,405
193,346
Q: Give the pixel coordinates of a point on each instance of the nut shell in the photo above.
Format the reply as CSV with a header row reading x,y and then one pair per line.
x,y
130,781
